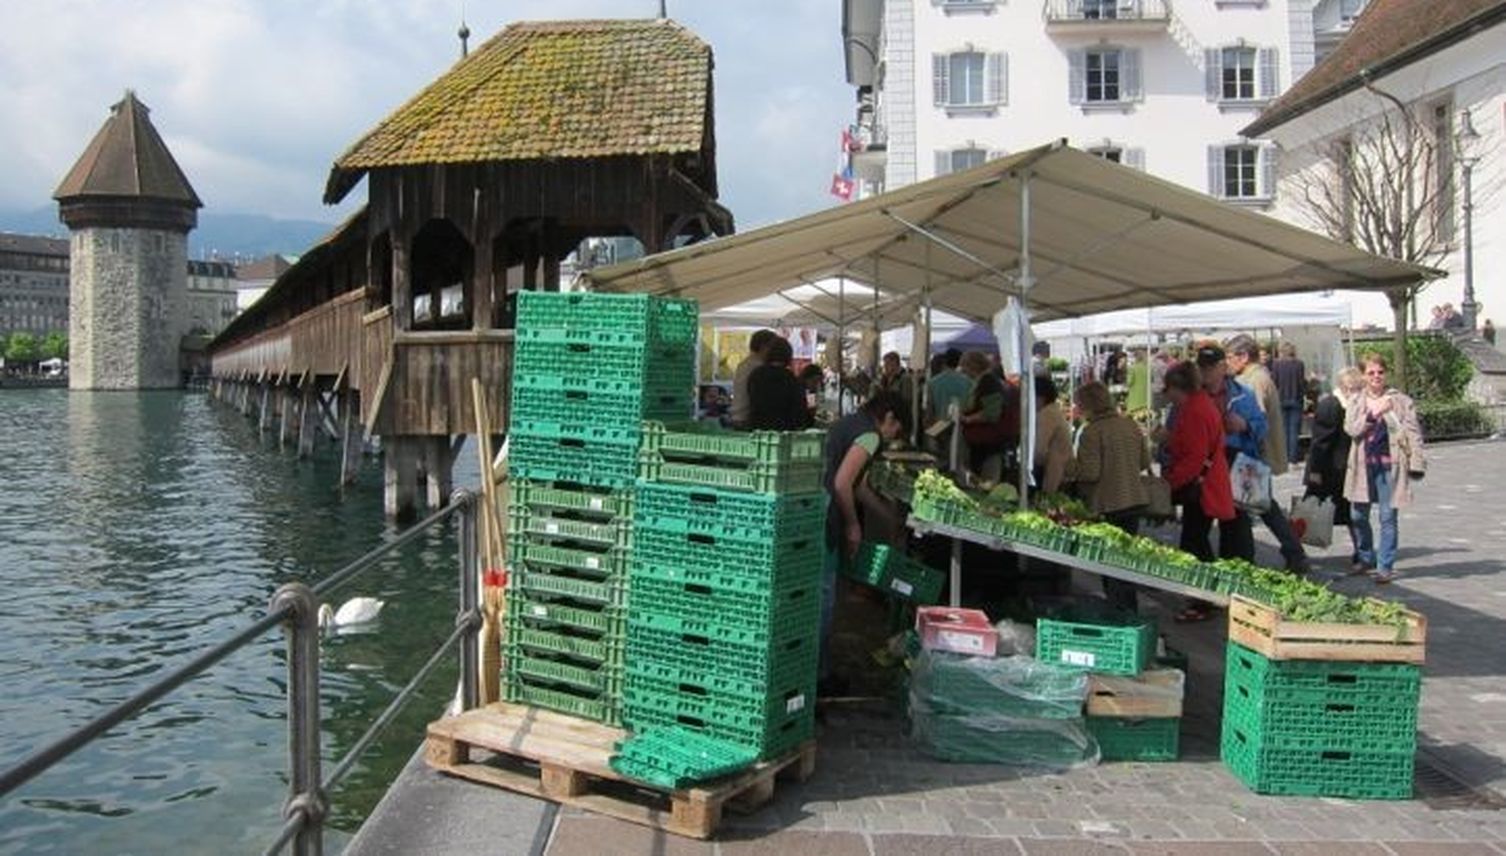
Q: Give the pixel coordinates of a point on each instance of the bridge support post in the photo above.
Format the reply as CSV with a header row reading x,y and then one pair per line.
x,y
400,459
286,404
308,419
439,466
352,436
267,405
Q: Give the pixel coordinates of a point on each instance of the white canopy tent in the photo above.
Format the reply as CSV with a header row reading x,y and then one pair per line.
x,y
1067,233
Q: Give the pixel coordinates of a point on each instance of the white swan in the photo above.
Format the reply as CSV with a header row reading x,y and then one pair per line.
x,y
357,610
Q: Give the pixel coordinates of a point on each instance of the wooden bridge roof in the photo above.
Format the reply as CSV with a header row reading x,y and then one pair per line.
x,y
543,90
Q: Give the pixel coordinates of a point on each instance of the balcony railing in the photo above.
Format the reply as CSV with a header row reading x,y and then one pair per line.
x,y
1107,14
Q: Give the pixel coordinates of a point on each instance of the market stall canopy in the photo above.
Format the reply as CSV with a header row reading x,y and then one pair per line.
x,y
1102,237
1250,313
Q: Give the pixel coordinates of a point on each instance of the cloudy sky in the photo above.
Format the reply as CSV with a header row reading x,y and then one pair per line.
x,y
257,97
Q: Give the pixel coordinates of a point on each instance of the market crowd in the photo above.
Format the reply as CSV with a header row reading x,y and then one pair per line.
x,y
1226,419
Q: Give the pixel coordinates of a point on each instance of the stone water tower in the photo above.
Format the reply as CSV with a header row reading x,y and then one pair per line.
x,y
129,209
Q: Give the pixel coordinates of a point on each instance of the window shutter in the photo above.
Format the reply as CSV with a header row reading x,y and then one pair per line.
x,y
1077,79
1216,171
1134,158
1268,172
939,69
1213,59
1129,75
996,77
943,161
1270,74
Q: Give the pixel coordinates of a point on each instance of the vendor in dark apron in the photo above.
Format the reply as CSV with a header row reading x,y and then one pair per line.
x,y
851,444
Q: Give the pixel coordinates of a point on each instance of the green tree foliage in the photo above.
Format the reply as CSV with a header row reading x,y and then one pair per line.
x,y
22,348
55,346
1438,371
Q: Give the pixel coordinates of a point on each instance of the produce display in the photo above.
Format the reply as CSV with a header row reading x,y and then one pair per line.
x,y
1065,525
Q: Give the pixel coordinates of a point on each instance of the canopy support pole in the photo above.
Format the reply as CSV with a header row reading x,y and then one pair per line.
x,y
918,373
1027,381
841,344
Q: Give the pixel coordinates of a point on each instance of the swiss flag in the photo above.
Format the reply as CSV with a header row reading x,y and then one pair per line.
x,y
842,187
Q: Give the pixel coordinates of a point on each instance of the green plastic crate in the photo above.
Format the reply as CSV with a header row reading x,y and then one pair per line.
x,y
958,515
554,498
983,739
741,661
543,458
729,514
697,443
615,403
1316,772
800,477
1403,681
676,757
732,710
1103,648
546,527
726,555
1126,739
601,708
561,644
895,574
548,584
769,739
787,575
790,672
800,619
594,679
604,563
724,606
553,613
609,356
654,318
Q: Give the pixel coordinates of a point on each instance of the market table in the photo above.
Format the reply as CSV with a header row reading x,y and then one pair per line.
x,y
994,542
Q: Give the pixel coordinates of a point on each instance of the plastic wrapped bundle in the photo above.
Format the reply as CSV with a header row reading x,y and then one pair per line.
x,y
1019,687
1007,710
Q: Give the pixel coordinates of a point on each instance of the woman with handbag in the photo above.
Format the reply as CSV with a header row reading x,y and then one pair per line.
x,y
1112,458
1384,460
990,418
1196,469
1328,456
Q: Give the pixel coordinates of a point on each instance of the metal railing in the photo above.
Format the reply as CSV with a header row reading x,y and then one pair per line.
x,y
296,606
1106,11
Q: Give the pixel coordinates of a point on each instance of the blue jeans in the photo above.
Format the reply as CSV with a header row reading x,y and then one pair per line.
x,y
1291,413
1380,495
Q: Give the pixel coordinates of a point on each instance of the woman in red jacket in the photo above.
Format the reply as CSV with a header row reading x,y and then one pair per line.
x,y
1196,467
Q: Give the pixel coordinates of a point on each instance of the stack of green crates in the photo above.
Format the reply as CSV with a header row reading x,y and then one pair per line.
x,y
725,582
1320,727
588,368
1104,642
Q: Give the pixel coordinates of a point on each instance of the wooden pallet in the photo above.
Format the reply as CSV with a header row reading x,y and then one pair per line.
x,y
1262,629
564,759
1154,694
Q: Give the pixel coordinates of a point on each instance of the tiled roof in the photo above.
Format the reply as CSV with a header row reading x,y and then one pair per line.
x,y
128,158
559,89
1388,35
36,245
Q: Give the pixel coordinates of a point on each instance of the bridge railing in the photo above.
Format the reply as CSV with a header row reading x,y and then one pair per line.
x,y
296,607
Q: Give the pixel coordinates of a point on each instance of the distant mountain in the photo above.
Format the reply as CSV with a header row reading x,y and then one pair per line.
x,y
222,234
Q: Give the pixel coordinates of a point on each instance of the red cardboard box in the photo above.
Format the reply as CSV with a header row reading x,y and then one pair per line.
x,y
963,631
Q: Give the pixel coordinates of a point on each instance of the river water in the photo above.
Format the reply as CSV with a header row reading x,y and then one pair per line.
x,y
137,529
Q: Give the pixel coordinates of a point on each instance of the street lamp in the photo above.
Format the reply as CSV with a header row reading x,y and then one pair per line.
x,y
1464,148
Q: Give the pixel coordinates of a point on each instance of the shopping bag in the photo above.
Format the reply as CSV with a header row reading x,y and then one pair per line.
x,y
1251,479
1158,503
1316,517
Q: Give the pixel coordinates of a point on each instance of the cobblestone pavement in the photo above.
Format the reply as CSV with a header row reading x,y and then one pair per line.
x,y
874,794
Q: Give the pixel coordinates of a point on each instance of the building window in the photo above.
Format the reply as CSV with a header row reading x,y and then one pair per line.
x,y
949,161
1104,76
969,79
1242,171
1350,9
1100,10
1108,153
1242,74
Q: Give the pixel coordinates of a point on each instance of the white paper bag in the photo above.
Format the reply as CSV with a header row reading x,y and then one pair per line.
x,y
1316,515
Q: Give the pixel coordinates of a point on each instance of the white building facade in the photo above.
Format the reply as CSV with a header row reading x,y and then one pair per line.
x,y
1161,85
1447,78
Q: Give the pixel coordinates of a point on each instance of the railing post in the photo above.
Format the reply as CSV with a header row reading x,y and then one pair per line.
x,y
305,794
469,612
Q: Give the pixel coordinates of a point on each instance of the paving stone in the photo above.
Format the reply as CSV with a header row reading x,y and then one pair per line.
x,y
1198,848
584,836
1328,848
1438,848
792,842
1069,847
931,845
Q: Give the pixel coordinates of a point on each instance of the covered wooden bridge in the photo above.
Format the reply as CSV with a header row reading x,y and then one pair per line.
x,y
478,187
